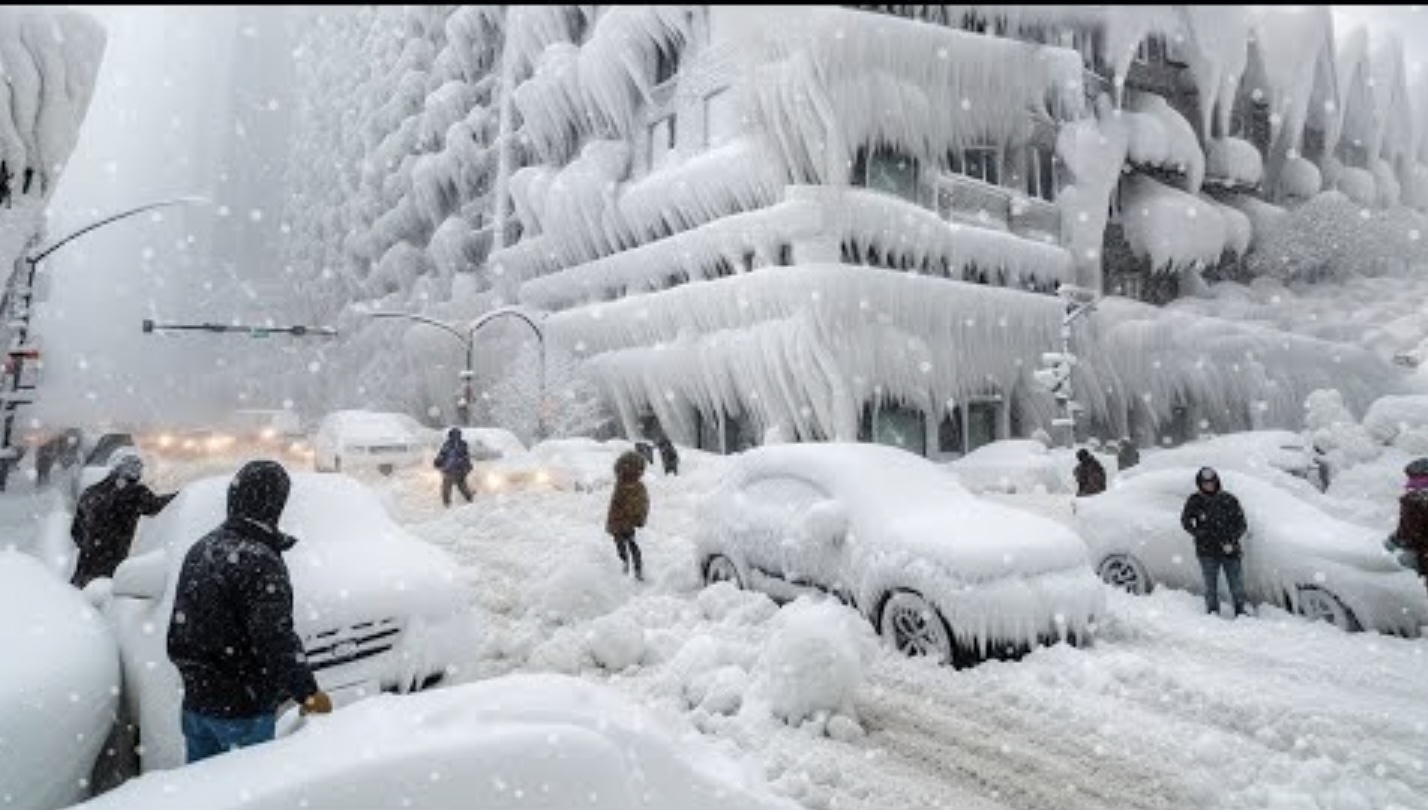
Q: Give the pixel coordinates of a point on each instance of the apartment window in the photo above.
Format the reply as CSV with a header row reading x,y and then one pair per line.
x,y
978,162
1151,51
661,141
894,424
721,118
666,62
889,171
1041,173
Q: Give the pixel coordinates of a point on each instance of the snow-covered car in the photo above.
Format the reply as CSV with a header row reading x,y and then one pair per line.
x,y
1021,466
1275,455
492,443
348,441
515,741
570,465
376,608
1295,556
937,570
57,686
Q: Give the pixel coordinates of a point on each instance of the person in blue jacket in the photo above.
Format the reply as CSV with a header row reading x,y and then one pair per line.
x,y
454,461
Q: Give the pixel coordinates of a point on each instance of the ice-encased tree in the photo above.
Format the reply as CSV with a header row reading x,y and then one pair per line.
x,y
569,405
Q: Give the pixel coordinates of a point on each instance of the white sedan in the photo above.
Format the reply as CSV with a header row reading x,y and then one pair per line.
x,y
522,741
349,441
376,608
1295,556
937,570
58,686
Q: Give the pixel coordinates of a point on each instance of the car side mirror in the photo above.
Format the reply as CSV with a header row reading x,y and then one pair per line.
x,y
142,577
827,523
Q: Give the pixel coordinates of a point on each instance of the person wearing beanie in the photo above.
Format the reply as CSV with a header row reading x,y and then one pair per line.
x,y
629,508
1412,532
231,635
1217,522
107,515
454,462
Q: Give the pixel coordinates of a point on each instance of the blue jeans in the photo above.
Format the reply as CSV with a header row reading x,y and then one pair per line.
x,y
1234,572
208,736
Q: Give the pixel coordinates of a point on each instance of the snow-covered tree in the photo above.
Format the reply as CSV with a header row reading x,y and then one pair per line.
x,y
1332,236
571,404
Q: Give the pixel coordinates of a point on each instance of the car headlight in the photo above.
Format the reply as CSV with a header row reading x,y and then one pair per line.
x,y
493,481
165,440
542,477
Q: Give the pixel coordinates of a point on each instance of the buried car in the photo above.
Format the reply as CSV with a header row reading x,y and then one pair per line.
x,y
1295,556
568,465
58,686
349,441
937,570
376,608
517,741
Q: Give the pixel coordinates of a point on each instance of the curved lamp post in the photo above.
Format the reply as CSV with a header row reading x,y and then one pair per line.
x,y
18,353
467,337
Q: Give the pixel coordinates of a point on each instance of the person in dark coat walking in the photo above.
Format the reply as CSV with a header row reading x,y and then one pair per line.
x,y
1411,536
629,508
454,461
1127,454
106,517
1090,475
231,635
668,456
1217,522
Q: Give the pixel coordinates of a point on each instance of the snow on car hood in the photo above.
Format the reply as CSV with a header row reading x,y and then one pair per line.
x,y
352,562
556,740
56,703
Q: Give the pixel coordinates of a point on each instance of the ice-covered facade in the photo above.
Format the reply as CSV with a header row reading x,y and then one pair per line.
x,y
845,222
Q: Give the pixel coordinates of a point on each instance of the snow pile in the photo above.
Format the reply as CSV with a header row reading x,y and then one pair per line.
x,y
581,588
1401,421
59,687
1175,230
1234,161
1359,185
519,741
811,667
1300,179
616,642
1334,236
1332,430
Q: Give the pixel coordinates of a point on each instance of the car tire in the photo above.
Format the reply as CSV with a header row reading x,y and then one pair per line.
x,y
386,469
719,568
915,628
1315,603
1126,572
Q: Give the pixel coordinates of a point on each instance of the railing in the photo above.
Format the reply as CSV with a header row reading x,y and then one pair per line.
x,y
971,201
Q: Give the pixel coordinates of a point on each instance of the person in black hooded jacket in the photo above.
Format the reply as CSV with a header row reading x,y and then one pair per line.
x,y
106,517
1217,522
231,635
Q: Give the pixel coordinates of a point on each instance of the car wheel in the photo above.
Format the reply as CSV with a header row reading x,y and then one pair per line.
x,y
915,628
722,569
1125,572
386,469
1316,604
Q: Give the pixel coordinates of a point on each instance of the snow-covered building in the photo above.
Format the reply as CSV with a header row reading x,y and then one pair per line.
x,y
845,224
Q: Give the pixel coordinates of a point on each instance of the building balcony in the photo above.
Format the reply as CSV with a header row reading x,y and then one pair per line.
x,y
967,200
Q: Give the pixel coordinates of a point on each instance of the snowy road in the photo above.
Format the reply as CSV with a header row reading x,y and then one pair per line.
x,y
1169,709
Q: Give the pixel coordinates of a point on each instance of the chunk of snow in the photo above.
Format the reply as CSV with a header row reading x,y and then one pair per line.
x,y
812,663
616,642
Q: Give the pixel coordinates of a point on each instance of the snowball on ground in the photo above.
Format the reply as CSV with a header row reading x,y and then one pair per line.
x,y
515,741
812,665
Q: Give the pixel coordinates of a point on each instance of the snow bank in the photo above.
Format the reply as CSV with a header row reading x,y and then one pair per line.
x,y
1392,417
59,686
812,664
516,741
583,587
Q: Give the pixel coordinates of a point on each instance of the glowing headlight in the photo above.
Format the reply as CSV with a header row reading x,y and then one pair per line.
x,y
165,440
542,477
190,444
493,481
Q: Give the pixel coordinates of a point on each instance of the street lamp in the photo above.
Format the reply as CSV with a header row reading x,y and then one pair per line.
x,y
468,341
23,297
